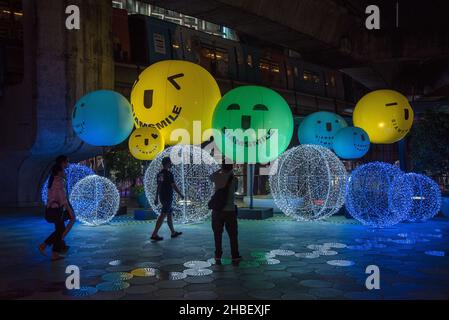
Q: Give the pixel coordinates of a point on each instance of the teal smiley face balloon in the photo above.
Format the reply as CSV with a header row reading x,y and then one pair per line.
x,y
320,128
351,143
252,124
102,118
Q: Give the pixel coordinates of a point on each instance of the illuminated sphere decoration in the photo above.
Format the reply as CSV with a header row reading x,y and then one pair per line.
x,y
170,95
351,143
426,197
320,128
73,174
377,196
145,143
95,200
386,115
253,124
309,183
103,118
191,169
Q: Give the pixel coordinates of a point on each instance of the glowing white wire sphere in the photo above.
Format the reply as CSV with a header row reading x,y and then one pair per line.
x,y
191,169
73,174
308,183
95,200
377,196
426,197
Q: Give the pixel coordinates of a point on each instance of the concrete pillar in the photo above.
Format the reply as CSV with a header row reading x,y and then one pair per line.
x,y
60,66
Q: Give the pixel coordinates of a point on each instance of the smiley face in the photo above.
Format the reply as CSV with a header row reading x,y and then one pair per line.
x,y
320,128
171,95
252,125
386,116
146,143
351,143
102,118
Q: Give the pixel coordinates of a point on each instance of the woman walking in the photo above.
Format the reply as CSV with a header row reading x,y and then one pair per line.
x,y
57,212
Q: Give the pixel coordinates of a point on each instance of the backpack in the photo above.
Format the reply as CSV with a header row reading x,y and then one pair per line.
x,y
219,198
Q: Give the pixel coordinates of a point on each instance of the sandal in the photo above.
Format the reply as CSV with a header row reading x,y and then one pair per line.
x,y
157,238
176,234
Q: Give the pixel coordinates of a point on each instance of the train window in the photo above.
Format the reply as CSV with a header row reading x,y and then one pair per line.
x,y
217,54
331,81
268,65
311,76
296,72
249,61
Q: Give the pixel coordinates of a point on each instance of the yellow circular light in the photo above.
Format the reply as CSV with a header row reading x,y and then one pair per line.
x,y
386,116
171,95
146,143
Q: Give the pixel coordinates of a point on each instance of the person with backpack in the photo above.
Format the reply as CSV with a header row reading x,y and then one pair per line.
x,y
57,212
165,186
224,212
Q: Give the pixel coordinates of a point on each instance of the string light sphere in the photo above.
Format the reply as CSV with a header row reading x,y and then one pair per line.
x,y
191,169
426,197
73,174
95,200
377,196
309,183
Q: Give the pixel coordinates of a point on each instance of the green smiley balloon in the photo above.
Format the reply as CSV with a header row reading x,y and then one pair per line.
x,y
252,124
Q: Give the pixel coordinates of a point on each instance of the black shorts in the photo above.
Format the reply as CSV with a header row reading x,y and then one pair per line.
x,y
166,206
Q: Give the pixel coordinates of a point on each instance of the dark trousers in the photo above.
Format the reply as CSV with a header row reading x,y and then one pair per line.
x,y
55,239
228,219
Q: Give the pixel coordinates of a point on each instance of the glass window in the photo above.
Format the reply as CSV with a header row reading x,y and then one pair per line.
x,y
311,76
249,60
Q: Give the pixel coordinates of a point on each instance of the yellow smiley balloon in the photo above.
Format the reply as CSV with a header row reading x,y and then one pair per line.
x,y
146,143
386,115
171,95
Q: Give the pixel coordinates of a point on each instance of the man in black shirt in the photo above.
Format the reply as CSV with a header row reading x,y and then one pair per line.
x,y
165,186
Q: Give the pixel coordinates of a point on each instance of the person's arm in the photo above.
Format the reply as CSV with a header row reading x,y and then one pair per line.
x,y
156,199
71,223
62,195
175,187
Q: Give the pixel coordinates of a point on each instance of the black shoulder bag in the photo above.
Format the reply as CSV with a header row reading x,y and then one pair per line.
x,y
218,200
53,215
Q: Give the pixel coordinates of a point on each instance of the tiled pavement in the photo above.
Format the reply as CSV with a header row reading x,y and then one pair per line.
x,y
410,258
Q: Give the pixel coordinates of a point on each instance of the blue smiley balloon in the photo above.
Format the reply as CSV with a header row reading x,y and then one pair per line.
x,y
320,128
351,143
103,118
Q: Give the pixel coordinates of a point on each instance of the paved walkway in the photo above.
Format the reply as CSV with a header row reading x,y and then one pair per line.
x,y
324,260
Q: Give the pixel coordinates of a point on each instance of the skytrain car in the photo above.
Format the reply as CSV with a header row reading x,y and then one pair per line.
x,y
151,39
120,33
219,56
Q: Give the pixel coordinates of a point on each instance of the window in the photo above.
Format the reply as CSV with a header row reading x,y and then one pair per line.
x,y
269,65
311,76
249,61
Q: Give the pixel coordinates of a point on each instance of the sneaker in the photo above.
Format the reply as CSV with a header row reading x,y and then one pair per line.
x,y
42,248
236,261
176,234
157,238
65,250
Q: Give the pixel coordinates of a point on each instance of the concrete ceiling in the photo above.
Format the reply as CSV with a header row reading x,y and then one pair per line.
x,y
333,33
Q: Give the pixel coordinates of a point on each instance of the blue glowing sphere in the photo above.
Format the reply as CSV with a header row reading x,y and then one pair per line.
x,y
103,118
95,200
320,128
377,196
351,143
426,197
73,174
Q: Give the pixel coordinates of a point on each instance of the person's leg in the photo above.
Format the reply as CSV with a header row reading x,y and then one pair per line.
x,y
170,223
217,227
159,222
232,230
58,242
